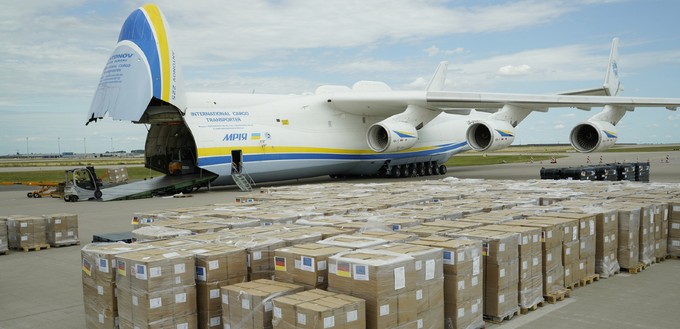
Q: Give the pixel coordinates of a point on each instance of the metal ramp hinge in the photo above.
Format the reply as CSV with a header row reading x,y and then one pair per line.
x,y
242,181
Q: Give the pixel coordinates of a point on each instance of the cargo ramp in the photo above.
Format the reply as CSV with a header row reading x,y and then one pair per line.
x,y
157,186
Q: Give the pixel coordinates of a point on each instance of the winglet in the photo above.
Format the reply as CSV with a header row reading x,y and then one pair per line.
x,y
612,84
439,77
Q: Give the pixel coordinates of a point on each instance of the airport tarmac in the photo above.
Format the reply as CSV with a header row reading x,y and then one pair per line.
x,y
42,289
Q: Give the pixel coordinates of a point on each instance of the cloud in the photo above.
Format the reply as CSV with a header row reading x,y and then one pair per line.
x,y
432,51
559,126
510,70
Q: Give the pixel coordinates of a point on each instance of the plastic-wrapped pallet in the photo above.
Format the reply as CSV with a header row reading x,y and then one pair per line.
x,y
304,264
156,288
4,243
629,218
319,309
429,280
99,269
260,253
153,233
463,280
674,229
62,229
501,271
387,281
530,263
27,232
249,305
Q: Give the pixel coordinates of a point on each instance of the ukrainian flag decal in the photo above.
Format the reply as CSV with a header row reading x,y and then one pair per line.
x,y
403,134
505,133
610,134
255,136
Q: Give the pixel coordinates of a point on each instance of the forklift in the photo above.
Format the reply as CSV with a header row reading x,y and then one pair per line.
x,y
82,184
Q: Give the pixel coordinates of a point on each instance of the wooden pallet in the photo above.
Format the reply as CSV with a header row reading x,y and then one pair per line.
x,y
636,269
36,247
4,252
572,286
534,307
498,320
589,279
557,296
662,259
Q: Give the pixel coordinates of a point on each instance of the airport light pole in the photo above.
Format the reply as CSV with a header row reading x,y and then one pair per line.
x,y
58,145
85,145
26,145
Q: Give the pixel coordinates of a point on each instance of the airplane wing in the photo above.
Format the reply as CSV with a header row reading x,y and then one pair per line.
x,y
392,103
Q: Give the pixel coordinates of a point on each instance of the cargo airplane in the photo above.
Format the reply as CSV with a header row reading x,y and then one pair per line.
x,y
367,129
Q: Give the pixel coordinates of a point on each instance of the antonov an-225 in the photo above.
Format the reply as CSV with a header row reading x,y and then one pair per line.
x,y
368,129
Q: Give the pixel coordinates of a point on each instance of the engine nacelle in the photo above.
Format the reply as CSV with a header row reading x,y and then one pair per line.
x,y
391,136
490,135
593,136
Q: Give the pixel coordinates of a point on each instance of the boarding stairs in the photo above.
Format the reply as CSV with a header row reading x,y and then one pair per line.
x,y
242,180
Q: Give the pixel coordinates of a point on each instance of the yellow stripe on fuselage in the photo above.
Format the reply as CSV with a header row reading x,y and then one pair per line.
x,y
163,48
219,151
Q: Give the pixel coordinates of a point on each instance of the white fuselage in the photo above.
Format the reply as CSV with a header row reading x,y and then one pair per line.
x,y
286,137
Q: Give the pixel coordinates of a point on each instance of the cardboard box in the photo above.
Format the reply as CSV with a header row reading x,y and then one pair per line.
x,y
353,241
26,232
145,308
628,238
62,229
463,280
155,269
250,304
313,309
304,264
260,253
4,239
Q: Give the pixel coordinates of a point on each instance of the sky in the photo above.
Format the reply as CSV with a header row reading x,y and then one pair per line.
x,y
53,52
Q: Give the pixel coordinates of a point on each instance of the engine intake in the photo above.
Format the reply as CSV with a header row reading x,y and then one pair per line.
x,y
490,135
391,136
593,136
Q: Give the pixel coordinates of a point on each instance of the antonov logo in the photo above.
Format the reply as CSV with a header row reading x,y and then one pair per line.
x,y
121,56
235,137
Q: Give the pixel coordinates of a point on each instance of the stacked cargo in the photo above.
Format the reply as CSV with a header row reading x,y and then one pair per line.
x,y
319,309
387,282
304,264
156,288
4,243
584,238
249,305
99,270
646,234
571,246
27,232
216,266
463,280
429,281
62,229
260,253
606,249
674,229
552,238
501,271
628,252
530,264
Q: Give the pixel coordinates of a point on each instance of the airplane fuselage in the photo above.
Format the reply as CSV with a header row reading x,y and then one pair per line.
x,y
284,137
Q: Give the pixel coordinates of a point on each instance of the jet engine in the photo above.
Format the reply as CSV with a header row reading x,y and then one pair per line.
x,y
593,136
391,136
490,135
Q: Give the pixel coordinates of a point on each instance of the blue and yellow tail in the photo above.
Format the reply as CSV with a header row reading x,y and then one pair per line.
x,y
142,68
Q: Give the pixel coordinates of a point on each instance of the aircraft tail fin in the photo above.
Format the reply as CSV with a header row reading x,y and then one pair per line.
x,y
142,69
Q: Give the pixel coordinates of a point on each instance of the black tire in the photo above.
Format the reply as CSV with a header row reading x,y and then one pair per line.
x,y
97,194
67,198
29,194
428,170
442,170
422,170
404,170
411,170
395,172
37,195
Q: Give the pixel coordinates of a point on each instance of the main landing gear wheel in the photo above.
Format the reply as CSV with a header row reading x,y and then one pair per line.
x,y
97,194
395,172
442,170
